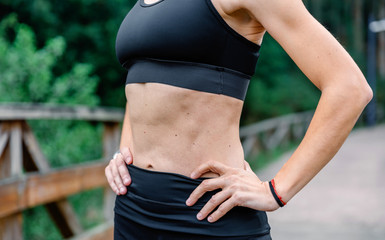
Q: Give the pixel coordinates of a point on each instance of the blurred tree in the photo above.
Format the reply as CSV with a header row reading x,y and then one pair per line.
x,y
358,31
89,28
381,43
26,75
27,72
278,86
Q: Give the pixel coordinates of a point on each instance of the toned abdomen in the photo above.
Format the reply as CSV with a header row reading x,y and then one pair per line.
x,y
176,129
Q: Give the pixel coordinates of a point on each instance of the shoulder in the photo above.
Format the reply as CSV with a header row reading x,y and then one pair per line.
x,y
265,11
228,6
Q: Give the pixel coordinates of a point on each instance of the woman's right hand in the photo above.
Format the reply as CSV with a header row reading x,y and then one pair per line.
x,y
117,173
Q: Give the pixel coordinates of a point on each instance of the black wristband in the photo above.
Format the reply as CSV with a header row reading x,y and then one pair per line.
x,y
275,195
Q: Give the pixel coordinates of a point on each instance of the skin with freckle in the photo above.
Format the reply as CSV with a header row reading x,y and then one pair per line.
x,y
187,113
186,134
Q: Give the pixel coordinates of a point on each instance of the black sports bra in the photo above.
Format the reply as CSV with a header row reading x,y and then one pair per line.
x,y
185,43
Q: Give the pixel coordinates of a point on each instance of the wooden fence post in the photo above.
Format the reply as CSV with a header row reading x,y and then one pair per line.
x,y
42,185
11,166
61,212
111,138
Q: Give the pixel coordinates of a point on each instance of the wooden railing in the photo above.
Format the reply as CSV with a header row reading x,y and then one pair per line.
x,y
271,133
27,180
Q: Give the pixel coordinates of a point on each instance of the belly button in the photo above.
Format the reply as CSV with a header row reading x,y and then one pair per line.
x,y
149,166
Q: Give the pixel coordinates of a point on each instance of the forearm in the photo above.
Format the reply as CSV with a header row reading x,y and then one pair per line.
x,y
126,134
336,114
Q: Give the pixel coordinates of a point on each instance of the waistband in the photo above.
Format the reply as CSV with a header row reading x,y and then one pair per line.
x,y
157,200
190,75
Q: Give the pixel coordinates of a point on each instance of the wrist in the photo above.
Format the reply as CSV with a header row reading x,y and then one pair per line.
x,y
271,204
284,187
277,197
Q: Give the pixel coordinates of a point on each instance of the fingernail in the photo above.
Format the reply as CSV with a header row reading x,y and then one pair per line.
x,y
199,216
193,175
122,190
210,219
188,202
126,181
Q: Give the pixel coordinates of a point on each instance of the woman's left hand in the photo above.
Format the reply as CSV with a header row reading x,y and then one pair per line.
x,y
240,187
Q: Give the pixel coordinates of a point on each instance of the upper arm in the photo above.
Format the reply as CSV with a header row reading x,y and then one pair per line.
x,y
315,51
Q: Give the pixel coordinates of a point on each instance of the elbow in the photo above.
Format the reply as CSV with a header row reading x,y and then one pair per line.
x,y
360,95
367,94
354,93
363,93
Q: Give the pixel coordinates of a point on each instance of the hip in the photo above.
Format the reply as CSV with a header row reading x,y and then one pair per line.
x,y
156,200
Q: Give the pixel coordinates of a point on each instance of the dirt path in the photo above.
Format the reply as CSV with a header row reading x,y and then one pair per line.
x,y
346,201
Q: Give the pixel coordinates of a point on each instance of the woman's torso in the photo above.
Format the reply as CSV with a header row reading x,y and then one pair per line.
x,y
175,129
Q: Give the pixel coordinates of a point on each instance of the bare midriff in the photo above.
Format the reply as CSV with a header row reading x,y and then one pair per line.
x,y
176,129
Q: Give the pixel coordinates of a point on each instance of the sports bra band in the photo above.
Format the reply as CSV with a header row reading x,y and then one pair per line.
x,y
190,75
185,43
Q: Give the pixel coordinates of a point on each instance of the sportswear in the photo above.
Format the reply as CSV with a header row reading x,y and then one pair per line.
x,y
154,208
185,43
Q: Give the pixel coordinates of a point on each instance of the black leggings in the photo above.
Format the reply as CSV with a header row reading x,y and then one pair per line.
x,y
154,209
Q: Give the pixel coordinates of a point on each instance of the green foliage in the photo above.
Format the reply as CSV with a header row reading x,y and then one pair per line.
x,y
278,86
89,28
27,72
28,75
88,205
266,157
36,225
67,142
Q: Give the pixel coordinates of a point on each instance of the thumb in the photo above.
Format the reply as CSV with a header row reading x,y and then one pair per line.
x,y
127,156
